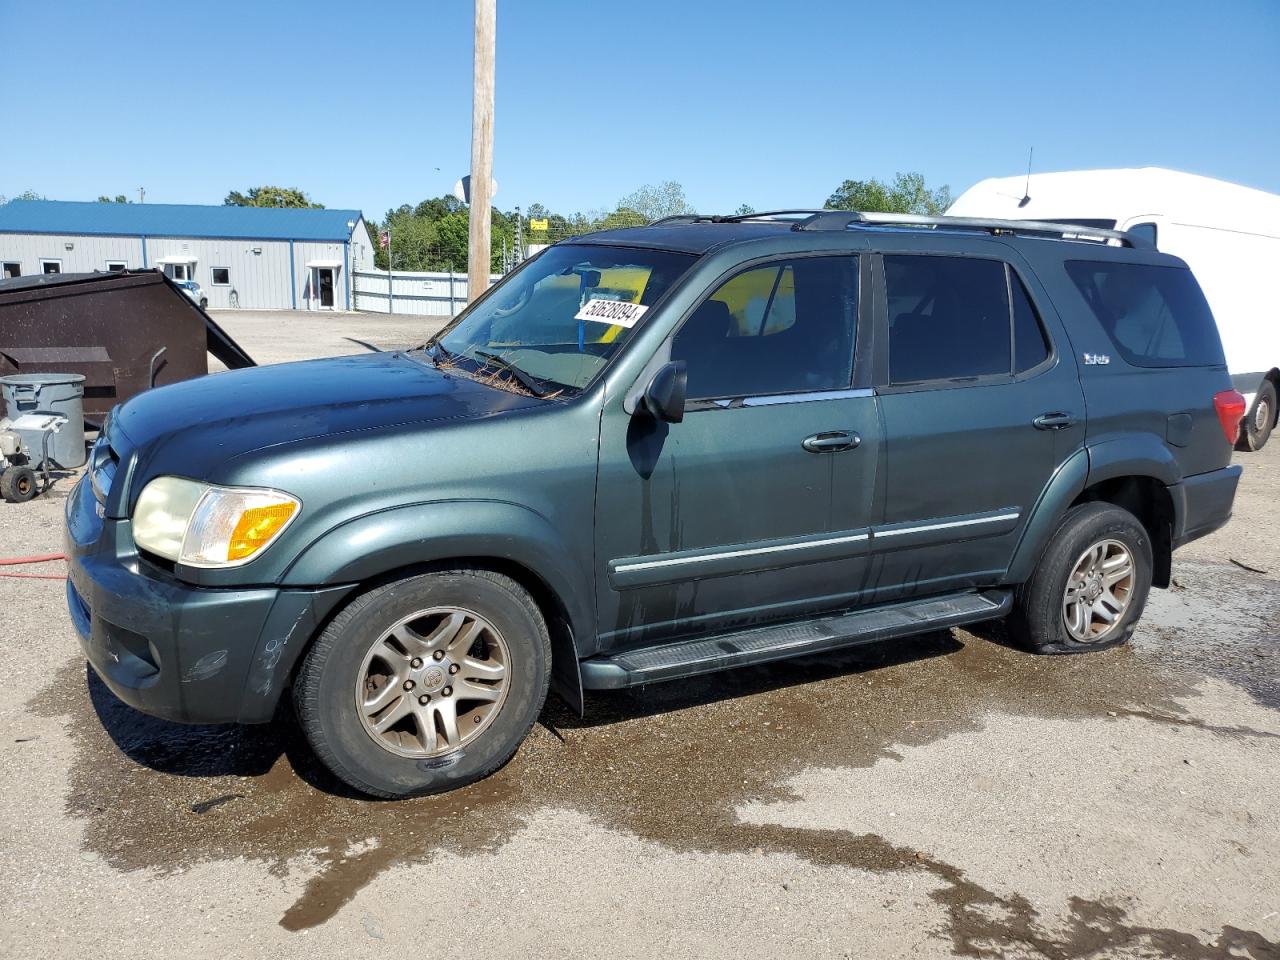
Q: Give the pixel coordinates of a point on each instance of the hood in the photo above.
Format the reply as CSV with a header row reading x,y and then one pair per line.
x,y
194,427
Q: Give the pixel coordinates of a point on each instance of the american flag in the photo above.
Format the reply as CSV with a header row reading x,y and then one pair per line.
x,y
384,239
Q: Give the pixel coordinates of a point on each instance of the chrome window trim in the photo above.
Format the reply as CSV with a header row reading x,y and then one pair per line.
x,y
770,400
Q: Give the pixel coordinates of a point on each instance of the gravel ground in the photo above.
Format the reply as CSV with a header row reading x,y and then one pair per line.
x,y
945,796
278,336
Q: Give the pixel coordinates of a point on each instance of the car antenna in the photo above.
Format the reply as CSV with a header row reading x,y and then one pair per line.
x,y
1026,191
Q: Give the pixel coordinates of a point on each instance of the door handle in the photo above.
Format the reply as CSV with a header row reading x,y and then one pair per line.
x,y
1054,421
831,441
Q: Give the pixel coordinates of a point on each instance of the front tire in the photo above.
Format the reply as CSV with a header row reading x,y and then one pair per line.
x,y
1089,589
1261,420
425,684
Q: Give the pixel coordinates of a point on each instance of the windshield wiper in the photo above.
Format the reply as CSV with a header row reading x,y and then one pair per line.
x,y
530,383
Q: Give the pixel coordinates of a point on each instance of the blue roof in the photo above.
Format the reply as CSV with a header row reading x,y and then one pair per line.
x,y
174,220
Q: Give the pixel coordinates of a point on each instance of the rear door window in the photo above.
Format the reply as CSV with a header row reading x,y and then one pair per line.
x,y
948,318
1155,316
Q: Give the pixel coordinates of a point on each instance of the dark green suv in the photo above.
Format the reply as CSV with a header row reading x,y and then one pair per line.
x,y
653,453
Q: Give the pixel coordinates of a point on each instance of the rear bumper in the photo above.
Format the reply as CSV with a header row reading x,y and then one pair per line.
x,y
1202,504
173,650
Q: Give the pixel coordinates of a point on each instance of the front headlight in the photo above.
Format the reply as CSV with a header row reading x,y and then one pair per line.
x,y
206,526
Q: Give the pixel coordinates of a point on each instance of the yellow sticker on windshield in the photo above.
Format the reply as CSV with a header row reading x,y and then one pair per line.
x,y
618,312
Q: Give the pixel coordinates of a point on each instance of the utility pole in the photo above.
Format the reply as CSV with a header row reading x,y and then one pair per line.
x,y
142,194
478,251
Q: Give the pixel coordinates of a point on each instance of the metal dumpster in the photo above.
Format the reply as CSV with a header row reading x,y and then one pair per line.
x,y
124,332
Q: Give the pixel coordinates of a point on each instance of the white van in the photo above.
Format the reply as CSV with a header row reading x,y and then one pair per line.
x,y
1228,234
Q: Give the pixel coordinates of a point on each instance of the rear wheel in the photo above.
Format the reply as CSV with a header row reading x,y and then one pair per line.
x,y
425,684
1090,587
1259,422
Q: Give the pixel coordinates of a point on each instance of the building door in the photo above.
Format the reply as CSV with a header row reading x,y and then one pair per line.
x,y
325,278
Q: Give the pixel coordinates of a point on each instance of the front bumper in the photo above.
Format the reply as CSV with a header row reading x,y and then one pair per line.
x,y
174,650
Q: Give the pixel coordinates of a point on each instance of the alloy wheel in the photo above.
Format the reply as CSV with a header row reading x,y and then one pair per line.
x,y
433,682
1098,591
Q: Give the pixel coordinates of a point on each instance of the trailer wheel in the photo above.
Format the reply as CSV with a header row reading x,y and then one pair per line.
x,y
18,484
1260,421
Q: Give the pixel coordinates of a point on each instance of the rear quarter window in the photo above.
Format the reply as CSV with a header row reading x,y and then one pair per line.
x,y
1155,316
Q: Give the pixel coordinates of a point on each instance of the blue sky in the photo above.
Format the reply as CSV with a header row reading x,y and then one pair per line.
x,y
771,104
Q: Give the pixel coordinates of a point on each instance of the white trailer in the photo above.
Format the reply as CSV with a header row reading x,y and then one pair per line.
x,y
1228,234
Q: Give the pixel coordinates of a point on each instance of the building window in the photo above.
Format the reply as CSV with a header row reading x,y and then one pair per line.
x,y
50,266
11,269
221,276
117,266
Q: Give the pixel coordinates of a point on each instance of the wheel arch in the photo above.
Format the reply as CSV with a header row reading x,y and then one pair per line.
x,y
1132,472
1150,501
502,537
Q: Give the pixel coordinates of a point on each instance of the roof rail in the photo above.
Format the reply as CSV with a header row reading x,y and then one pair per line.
x,y
733,218
843,219
681,218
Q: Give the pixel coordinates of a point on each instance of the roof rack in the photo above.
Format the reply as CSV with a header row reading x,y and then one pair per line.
x,y
843,219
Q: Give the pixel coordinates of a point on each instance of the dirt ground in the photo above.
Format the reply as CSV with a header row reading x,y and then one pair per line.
x,y
944,796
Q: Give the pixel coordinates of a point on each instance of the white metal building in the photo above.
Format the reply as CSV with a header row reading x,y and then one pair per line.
x,y
252,257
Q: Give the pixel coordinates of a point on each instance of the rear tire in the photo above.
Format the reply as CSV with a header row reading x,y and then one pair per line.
x,y
401,657
1258,423
1080,598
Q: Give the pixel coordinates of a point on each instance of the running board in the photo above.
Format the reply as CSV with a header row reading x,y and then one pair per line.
x,y
689,658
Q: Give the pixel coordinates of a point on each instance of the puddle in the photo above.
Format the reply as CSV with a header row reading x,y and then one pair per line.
x,y
673,762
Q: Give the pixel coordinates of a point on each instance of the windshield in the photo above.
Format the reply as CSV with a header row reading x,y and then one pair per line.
x,y
561,318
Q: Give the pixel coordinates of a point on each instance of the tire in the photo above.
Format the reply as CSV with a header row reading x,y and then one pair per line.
x,y
1260,420
204,303
18,484
359,653
1041,605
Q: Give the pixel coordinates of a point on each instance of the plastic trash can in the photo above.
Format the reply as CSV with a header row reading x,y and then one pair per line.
x,y
57,394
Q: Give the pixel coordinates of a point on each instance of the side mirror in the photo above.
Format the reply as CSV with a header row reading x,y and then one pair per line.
x,y
664,397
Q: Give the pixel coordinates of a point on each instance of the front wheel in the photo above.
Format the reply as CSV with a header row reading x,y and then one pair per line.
x,y
1259,422
1088,591
425,684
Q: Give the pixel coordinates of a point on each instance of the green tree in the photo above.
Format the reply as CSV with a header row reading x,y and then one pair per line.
x,y
906,194
271,197
651,202
24,195
624,216
453,236
119,198
744,211
439,207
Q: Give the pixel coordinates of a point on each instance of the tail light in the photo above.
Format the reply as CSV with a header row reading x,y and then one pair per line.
x,y
1230,407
